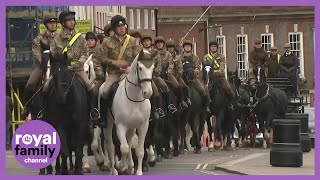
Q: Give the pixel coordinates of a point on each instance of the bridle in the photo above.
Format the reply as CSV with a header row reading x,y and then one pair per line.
x,y
140,81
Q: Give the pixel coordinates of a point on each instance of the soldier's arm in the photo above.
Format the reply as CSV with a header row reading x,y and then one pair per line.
x,y
197,64
206,61
53,47
171,63
222,64
157,69
135,51
36,49
83,51
102,53
178,64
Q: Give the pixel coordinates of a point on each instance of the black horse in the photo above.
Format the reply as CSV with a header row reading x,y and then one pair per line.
x,y
195,114
219,108
67,110
269,103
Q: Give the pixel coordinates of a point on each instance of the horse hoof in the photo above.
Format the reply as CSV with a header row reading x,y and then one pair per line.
x,y
78,172
139,173
152,163
264,146
58,173
211,149
175,153
130,171
145,168
100,164
86,170
114,172
42,173
104,168
197,151
65,173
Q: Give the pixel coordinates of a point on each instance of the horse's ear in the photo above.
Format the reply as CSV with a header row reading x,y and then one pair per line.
x,y
141,55
154,54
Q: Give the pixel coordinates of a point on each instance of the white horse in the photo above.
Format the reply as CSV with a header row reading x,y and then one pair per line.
x,y
100,156
130,112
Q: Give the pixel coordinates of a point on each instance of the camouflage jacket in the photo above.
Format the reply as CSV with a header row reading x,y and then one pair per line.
x,y
77,52
157,62
217,61
258,56
98,68
193,59
46,38
110,49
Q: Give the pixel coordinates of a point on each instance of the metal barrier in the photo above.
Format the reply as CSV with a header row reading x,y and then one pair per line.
x,y
16,120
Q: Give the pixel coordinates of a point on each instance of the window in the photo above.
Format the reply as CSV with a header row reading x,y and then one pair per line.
x,y
146,19
267,41
153,25
242,56
296,42
221,39
111,9
119,9
138,19
131,23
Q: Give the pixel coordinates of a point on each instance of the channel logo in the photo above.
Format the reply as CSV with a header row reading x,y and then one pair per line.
x,y
36,144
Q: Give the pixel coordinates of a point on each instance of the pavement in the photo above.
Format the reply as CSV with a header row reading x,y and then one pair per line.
x,y
259,164
242,161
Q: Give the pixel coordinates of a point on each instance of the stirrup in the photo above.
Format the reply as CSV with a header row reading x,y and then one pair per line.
x,y
172,108
98,113
160,112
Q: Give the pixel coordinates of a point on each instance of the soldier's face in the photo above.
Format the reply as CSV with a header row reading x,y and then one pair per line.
x,y
288,49
121,30
91,43
213,48
171,49
187,48
274,52
160,45
146,43
69,23
258,46
52,26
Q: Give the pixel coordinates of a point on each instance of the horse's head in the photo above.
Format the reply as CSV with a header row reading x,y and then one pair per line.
x,y
261,74
188,71
234,79
61,76
144,65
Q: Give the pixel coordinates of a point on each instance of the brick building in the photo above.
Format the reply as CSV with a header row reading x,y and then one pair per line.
x,y
236,29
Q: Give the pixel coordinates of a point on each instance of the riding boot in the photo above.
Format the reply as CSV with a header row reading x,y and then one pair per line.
x,y
27,107
172,108
186,95
94,112
178,92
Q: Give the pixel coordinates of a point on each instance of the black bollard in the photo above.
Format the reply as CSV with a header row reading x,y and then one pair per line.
x,y
304,134
286,149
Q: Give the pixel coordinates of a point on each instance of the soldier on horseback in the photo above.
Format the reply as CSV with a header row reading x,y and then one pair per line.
x,y
218,61
50,22
257,57
167,71
117,53
72,44
187,57
146,41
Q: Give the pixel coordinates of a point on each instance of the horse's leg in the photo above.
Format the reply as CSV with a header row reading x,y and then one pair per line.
x,y
104,154
58,166
129,136
209,125
195,130
86,163
96,145
175,136
124,147
142,131
110,146
42,171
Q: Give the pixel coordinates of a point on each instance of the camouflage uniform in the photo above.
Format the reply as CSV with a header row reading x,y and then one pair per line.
x,y
257,57
219,71
109,51
77,52
46,38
